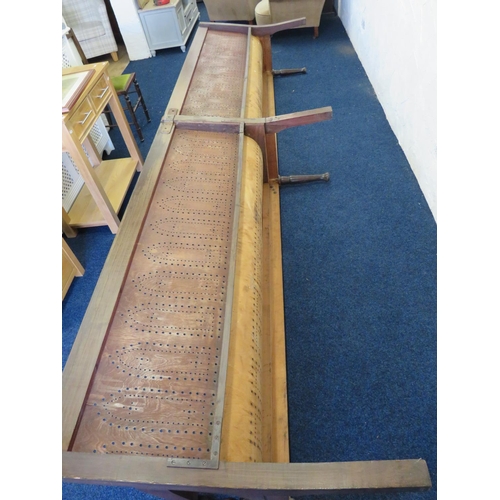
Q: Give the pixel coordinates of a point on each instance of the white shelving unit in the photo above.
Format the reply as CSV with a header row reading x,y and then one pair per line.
x,y
169,25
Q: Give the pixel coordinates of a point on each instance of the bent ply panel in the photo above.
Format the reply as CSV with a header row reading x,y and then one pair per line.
x,y
253,104
242,424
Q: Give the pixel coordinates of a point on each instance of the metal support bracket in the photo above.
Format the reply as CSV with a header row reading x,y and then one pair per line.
x,y
301,179
167,121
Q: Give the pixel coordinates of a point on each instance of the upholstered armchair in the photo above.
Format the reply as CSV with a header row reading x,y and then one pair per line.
x,y
231,10
278,11
90,23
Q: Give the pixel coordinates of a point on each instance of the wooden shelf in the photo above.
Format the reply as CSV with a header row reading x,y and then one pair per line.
x,y
115,177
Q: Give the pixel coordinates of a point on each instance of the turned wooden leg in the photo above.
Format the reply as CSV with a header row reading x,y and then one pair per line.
x,y
114,55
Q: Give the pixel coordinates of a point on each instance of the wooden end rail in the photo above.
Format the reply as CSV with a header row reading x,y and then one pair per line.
x,y
249,480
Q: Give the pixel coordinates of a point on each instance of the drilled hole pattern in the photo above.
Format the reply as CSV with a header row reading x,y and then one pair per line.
x,y
255,299
155,387
243,439
217,85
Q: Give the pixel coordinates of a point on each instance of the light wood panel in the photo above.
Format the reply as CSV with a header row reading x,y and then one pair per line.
x,y
242,422
115,177
71,267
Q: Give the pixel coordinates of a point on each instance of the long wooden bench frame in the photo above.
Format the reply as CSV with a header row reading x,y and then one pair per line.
x,y
250,480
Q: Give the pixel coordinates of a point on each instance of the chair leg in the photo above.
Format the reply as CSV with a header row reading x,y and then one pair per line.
x,y
130,107
141,99
114,56
109,116
316,32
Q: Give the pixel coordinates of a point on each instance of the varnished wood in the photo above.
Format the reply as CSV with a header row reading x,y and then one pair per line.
x,y
271,29
265,41
225,27
271,137
271,124
207,123
251,478
262,130
275,399
278,123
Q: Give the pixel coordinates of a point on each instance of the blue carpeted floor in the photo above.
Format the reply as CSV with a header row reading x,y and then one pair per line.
x,y
359,257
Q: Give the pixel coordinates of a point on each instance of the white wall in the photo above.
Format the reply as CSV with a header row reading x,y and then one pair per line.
x,y
395,41
131,29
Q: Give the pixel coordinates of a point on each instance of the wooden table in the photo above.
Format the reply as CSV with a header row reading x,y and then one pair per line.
x,y
106,182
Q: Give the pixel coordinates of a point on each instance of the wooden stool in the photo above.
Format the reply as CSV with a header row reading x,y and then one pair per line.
x,y
122,86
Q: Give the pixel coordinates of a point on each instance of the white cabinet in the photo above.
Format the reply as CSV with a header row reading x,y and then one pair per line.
x,y
169,25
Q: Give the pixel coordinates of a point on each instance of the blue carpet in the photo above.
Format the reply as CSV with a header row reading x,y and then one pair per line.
x,y
359,259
